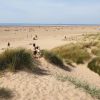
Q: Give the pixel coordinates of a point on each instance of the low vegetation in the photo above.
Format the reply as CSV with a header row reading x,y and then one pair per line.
x,y
73,53
93,91
94,65
52,58
16,59
96,51
5,94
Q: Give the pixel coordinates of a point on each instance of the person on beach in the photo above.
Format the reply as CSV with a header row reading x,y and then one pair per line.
x,y
34,45
35,37
36,51
65,37
8,44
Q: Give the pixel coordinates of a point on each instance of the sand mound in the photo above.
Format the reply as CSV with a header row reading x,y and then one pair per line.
x,y
29,86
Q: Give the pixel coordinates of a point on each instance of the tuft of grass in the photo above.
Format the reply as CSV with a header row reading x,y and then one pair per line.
x,y
73,53
94,65
52,58
92,90
16,59
5,94
96,51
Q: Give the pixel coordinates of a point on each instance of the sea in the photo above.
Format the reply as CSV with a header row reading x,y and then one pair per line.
x,y
30,24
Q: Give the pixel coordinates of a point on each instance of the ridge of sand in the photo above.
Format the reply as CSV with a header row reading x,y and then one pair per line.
x,y
30,86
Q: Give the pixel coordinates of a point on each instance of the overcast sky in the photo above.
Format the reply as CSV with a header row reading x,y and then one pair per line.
x,y
50,11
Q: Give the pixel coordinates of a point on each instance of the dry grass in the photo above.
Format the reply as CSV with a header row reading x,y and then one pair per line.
x,y
52,58
92,90
94,65
16,59
73,53
5,94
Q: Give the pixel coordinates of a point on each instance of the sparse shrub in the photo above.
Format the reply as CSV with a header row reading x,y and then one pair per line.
x,y
52,58
5,94
94,65
92,90
16,59
72,52
96,51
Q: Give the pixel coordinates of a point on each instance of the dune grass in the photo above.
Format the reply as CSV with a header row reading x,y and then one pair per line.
x,y
5,94
94,65
96,51
92,90
52,57
73,53
16,59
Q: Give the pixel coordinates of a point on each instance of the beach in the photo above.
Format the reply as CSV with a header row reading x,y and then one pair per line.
x,y
45,86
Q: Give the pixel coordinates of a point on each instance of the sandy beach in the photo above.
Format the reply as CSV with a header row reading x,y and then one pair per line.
x,y
45,86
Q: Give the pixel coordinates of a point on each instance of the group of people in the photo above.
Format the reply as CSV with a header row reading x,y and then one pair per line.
x,y
36,51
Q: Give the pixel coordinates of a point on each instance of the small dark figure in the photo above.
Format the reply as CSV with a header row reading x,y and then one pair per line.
x,y
38,51
35,37
34,45
65,37
8,44
35,53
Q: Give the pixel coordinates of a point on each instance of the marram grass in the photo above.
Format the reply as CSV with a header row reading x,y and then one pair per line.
x,y
52,57
16,59
94,65
72,52
92,90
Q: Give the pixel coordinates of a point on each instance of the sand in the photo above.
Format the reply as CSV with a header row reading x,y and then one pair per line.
x,y
45,86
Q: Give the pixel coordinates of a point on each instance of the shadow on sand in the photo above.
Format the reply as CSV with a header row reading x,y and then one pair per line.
x,y
39,71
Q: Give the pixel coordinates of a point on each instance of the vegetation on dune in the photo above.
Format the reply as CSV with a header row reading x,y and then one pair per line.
x,y
5,94
95,36
52,58
92,90
96,51
94,65
16,59
72,52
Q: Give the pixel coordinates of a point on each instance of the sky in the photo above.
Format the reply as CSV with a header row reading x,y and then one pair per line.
x,y
50,11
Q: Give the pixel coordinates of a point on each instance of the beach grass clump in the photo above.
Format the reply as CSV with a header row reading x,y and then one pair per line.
x,y
16,59
96,51
72,52
89,44
92,90
5,94
94,65
52,57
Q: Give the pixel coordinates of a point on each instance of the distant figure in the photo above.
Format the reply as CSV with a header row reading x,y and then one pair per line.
x,y
34,45
8,44
65,37
35,37
36,51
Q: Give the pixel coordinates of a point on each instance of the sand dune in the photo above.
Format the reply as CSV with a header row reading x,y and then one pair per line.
x,y
44,85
